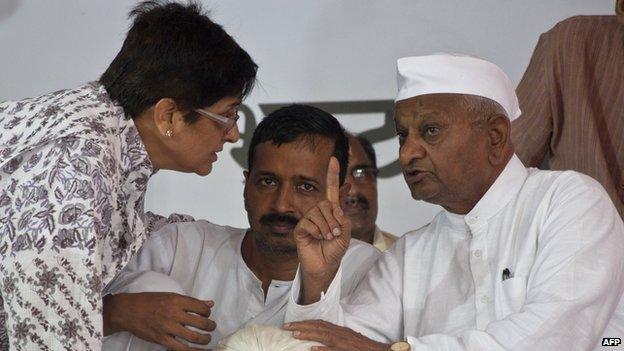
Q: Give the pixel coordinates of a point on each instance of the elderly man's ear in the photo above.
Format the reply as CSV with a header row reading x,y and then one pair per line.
x,y
619,10
499,129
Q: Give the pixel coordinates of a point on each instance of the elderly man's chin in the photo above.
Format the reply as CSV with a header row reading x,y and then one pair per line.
x,y
423,192
204,169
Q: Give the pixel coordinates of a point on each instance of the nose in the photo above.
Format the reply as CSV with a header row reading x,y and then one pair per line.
x,y
282,200
411,150
233,134
354,189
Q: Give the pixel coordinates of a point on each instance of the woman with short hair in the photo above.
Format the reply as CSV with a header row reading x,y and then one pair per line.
x,y
74,167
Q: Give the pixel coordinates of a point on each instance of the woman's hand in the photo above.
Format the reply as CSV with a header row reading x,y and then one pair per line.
x,y
159,318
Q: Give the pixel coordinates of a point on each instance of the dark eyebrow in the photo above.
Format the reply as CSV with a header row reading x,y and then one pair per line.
x,y
266,174
434,115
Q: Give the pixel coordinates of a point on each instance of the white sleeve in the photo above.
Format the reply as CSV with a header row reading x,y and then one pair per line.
x,y
373,309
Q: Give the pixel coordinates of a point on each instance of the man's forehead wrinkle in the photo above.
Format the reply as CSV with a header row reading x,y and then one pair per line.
x,y
427,114
418,116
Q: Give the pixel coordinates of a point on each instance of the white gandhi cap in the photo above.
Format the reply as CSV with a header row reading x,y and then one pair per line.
x,y
455,74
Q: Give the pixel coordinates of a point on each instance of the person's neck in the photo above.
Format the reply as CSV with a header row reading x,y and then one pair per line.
x,y
464,206
265,266
366,235
150,136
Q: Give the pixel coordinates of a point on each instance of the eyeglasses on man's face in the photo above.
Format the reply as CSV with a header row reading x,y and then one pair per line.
x,y
364,173
227,122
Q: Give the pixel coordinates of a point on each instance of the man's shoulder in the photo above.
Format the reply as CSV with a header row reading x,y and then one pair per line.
x,y
419,232
542,182
196,233
578,29
580,21
551,196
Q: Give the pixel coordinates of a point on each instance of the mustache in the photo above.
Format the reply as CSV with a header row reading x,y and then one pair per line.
x,y
358,200
273,218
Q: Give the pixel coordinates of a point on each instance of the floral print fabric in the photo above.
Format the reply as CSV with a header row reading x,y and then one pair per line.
x,y
73,174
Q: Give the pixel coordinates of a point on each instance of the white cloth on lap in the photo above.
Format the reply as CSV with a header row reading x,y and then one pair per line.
x,y
264,338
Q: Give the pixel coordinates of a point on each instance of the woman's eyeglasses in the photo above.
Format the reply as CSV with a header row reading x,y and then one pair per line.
x,y
227,122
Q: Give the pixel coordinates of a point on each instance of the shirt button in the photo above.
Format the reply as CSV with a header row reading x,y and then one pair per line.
x,y
485,299
477,253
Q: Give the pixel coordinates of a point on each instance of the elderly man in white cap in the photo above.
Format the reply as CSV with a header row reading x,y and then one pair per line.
x,y
520,259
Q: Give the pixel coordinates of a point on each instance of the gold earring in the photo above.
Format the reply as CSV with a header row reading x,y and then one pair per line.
x,y
169,133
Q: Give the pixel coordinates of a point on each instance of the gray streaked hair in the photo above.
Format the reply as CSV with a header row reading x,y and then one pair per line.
x,y
481,107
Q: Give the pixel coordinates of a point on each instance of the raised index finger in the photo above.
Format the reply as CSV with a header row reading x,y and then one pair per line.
x,y
333,180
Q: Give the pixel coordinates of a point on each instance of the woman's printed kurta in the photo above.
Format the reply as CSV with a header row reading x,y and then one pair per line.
x,y
73,174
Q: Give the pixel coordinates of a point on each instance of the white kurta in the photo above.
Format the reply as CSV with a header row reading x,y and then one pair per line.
x,y
205,262
442,287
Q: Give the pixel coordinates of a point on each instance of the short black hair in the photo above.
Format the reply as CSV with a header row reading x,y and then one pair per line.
x,y
369,150
289,123
175,51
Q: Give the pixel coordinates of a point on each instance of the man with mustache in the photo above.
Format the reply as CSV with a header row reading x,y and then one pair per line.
x,y
242,275
361,203
519,259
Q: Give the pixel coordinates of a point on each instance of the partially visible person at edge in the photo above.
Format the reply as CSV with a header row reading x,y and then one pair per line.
x,y
519,259
75,165
361,203
572,101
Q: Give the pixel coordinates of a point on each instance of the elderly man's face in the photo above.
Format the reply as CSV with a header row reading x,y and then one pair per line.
x,y
361,204
443,152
